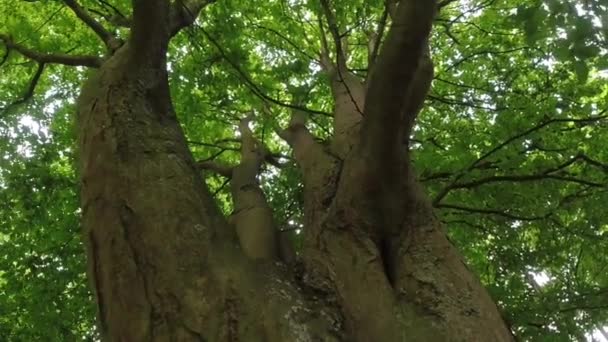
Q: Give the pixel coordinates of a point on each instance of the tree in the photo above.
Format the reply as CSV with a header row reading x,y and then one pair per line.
x,y
331,237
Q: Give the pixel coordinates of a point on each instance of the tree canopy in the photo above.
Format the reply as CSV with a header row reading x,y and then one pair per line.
x,y
511,143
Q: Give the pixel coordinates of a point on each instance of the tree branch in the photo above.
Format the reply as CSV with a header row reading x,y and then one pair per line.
x,y
492,212
252,153
375,42
471,104
297,126
543,175
47,58
324,57
445,3
348,90
220,169
221,187
417,93
185,12
111,42
586,158
117,12
308,152
149,42
253,217
481,53
214,145
251,85
289,41
117,19
391,7
598,117
470,224
583,121
523,178
29,91
335,33
270,157
394,74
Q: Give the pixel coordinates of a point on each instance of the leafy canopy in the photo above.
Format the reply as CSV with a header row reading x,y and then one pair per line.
x,y
511,144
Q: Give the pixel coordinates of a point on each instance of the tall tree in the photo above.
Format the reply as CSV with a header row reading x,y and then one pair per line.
x,y
351,247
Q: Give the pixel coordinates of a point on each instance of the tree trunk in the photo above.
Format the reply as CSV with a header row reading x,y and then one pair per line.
x,y
165,265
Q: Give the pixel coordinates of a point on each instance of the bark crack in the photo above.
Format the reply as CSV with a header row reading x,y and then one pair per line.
x,y
96,276
126,216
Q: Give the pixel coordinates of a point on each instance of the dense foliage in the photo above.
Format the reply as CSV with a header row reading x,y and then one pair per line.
x,y
511,145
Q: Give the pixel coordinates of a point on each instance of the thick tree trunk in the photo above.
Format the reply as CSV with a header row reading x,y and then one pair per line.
x,y
163,262
165,265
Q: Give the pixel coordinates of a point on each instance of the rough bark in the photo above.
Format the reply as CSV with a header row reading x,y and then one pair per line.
x,y
166,265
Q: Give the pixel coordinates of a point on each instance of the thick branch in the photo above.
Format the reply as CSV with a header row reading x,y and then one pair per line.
x,y
349,100
347,89
185,12
417,92
108,39
150,33
308,152
393,76
253,217
391,7
49,58
249,145
299,137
